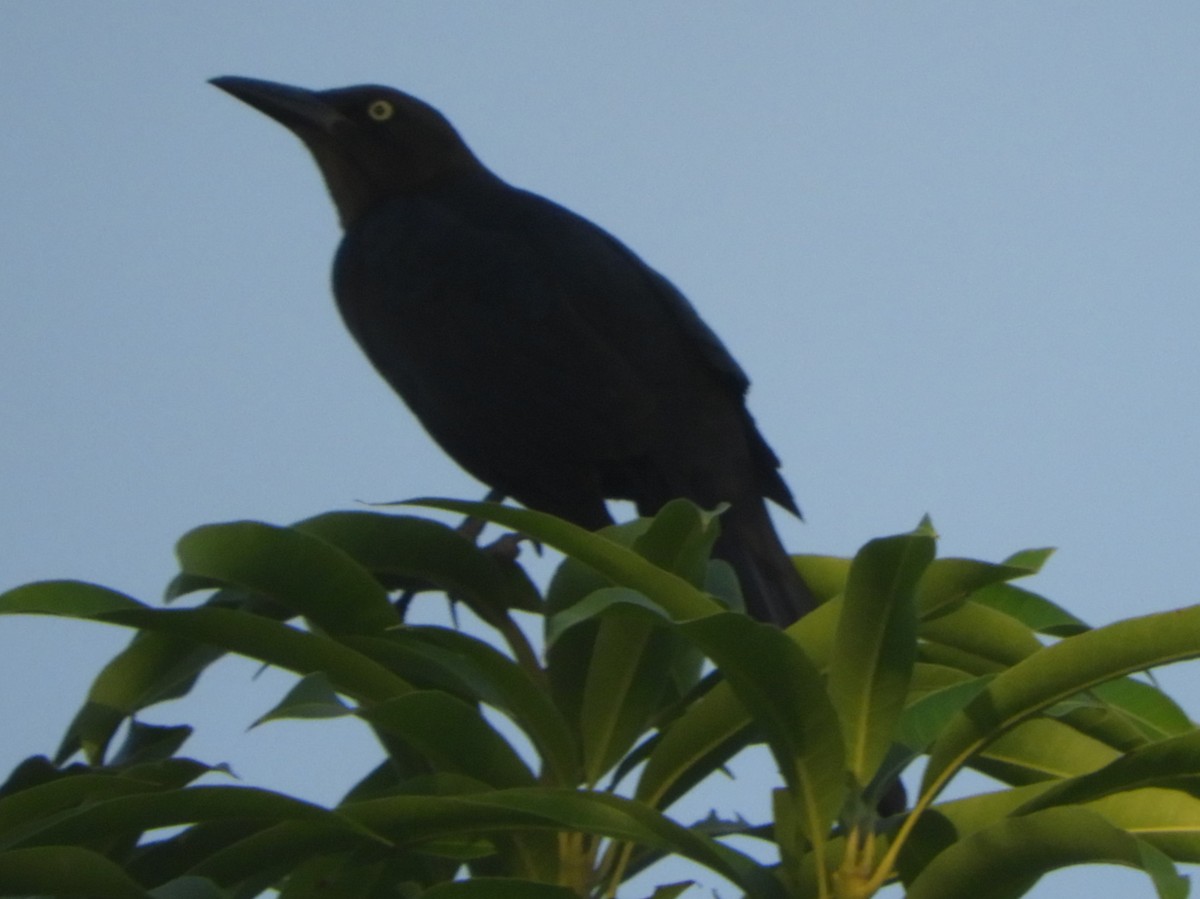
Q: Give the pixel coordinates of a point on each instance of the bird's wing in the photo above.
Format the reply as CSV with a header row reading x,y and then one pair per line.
x,y
482,329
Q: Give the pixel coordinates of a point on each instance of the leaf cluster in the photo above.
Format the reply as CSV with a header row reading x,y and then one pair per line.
x,y
644,681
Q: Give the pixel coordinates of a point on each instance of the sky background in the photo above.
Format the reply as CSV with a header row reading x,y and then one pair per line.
x,y
954,245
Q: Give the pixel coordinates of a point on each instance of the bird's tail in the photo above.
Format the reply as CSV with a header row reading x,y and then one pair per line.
x,y
773,589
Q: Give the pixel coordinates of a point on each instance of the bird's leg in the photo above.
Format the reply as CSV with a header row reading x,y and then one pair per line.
x,y
506,546
473,526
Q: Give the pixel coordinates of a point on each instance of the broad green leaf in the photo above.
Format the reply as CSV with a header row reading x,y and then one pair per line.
x,y
625,665
627,677
354,875
1035,612
579,655
576,599
1004,860
994,638
1058,672
413,820
672,890
1170,819
250,635
1151,710
680,539
270,849
947,582
498,888
595,606
1155,765
138,812
1032,560
149,743
875,647
825,575
24,811
400,548
452,735
1100,721
189,888
946,823
153,668
313,696
70,599
64,871
708,733
623,566
1041,749
816,632
929,679
925,719
468,667
312,577
786,698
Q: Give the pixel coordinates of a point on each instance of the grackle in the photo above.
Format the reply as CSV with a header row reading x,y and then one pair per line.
x,y
542,355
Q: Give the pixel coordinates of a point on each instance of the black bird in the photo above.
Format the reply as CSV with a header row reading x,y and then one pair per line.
x,y
544,356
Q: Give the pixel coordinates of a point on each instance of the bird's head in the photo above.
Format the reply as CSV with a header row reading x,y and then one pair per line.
x,y
369,141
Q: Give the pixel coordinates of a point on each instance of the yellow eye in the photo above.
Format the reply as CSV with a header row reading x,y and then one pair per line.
x,y
381,110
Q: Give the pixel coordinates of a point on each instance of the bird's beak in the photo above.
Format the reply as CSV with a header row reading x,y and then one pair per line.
x,y
299,110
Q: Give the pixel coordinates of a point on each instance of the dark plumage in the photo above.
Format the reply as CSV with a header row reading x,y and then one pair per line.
x,y
545,357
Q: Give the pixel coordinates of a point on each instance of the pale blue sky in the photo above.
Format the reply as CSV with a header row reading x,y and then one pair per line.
x,y
954,245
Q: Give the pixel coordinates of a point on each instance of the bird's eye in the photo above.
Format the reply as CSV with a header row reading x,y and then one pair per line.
x,y
381,110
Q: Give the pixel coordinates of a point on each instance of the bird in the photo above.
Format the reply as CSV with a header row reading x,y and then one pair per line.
x,y
539,351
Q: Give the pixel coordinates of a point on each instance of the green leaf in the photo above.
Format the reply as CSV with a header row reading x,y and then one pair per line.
x,y
875,647
947,582
312,577
1035,612
498,888
1058,672
412,820
452,735
1007,858
189,888
400,548
992,638
1039,749
1151,710
1156,765
594,607
467,667
621,565
313,696
70,599
150,742
269,851
24,811
825,575
136,812
672,890
680,539
1032,560
1170,819
119,689
705,736
62,871
154,667
925,719
629,670
785,695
